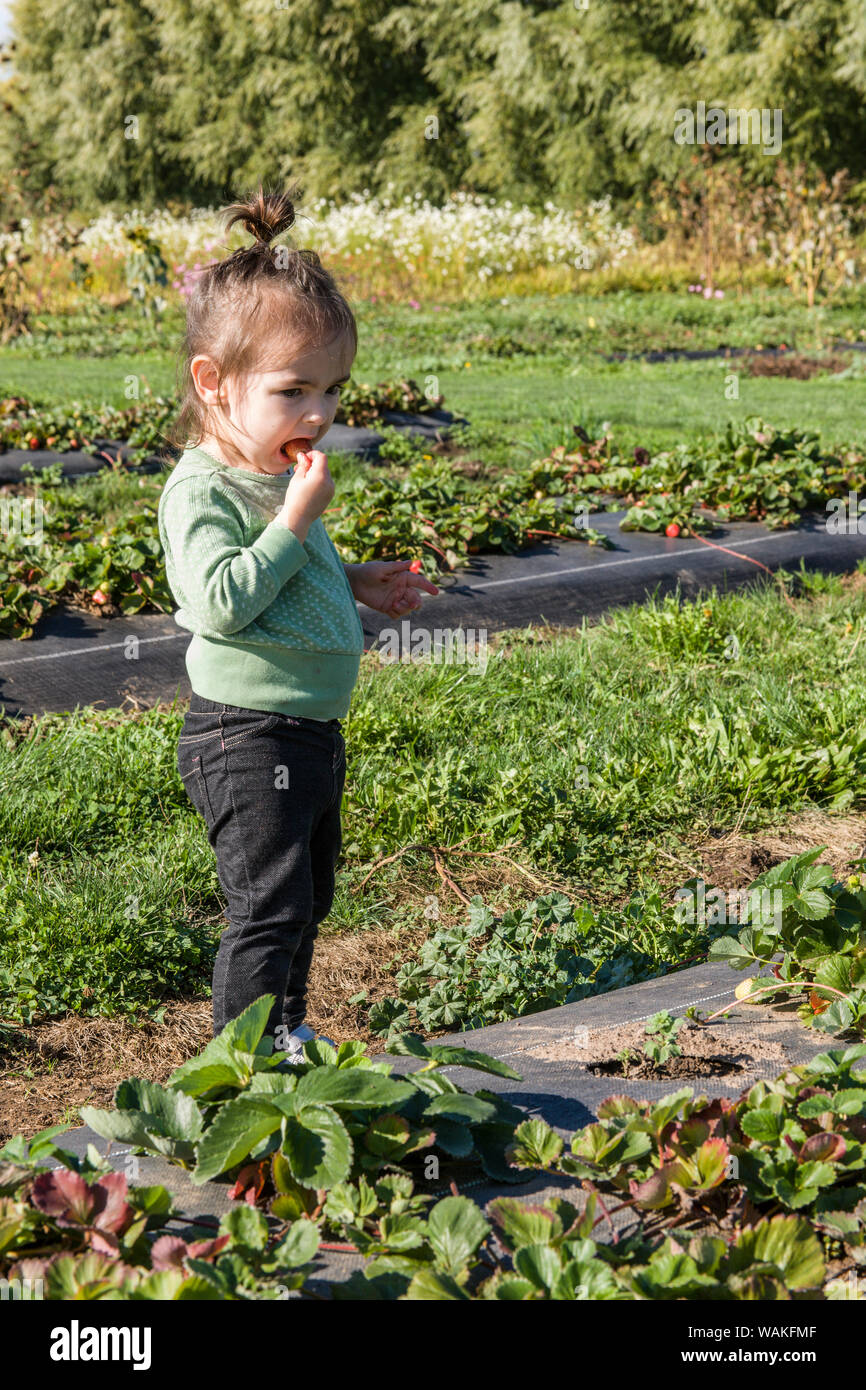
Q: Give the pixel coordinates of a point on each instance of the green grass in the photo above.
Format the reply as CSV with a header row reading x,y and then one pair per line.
x,y
525,403
600,751
657,406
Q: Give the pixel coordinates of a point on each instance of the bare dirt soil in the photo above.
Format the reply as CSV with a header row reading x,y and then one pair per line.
x,y
48,1070
705,1051
794,365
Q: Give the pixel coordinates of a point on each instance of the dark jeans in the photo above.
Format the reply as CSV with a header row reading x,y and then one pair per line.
x,y
269,788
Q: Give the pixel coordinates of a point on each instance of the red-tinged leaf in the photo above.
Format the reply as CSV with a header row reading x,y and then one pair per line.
x,y
102,1242
113,1212
63,1195
207,1249
712,1160
618,1105
250,1182
694,1131
820,1003
169,1252
822,1148
720,1114
653,1192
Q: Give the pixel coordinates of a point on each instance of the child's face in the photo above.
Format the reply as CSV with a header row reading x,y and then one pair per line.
x,y
268,411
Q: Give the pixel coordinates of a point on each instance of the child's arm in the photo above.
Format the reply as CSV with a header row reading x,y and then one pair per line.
x,y
222,582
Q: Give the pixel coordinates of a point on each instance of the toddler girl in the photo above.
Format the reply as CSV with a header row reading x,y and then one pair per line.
x,y
277,639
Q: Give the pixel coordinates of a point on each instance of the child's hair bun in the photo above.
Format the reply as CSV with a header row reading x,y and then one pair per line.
x,y
264,215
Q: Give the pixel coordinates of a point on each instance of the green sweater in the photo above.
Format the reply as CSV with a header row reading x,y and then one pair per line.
x,y
274,621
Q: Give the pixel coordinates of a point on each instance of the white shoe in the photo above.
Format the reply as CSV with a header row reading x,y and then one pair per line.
x,y
294,1052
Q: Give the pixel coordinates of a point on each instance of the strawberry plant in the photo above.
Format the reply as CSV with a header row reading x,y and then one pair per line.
x,y
361,404
732,1199
330,1120
553,1257
751,472
26,424
819,927
79,1231
449,514
754,473
661,1044
797,1144
489,969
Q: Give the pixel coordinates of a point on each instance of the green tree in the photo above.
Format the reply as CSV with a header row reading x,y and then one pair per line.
x,y
523,99
83,89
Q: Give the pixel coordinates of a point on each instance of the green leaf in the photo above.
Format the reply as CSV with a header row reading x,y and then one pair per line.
x,y
413,1045
455,1229
246,1226
524,1224
535,1145
215,1069
728,948
460,1108
813,904
765,1126
430,1286
453,1138
156,1203
540,1264
835,971
317,1146
789,1243
42,1144
836,1018
298,1247
239,1125
508,1288
177,1113
352,1088
245,1032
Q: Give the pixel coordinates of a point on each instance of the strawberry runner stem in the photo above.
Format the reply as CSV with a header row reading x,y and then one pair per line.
x,y
771,989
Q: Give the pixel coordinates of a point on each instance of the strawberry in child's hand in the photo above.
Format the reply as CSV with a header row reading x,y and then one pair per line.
x,y
415,567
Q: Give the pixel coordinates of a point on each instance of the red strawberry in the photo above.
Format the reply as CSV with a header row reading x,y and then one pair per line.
x,y
672,529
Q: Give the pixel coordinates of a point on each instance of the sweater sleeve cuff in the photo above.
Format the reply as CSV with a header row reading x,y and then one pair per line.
x,y
282,548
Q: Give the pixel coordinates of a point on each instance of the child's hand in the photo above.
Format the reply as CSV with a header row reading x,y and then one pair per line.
x,y
310,489
389,586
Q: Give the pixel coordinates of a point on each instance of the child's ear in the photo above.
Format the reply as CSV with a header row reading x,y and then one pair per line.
x,y
205,378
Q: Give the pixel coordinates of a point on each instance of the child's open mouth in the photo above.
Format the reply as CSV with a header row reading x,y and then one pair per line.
x,y
293,447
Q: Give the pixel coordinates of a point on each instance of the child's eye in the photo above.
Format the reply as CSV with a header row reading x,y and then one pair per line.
x,y
291,390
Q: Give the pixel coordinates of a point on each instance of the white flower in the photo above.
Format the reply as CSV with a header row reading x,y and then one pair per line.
x,y
469,234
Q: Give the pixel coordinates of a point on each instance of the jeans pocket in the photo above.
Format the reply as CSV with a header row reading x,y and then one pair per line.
x,y
194,780
237,728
